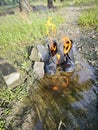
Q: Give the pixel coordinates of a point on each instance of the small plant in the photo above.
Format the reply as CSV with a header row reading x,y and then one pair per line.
x,y
24,65
2,125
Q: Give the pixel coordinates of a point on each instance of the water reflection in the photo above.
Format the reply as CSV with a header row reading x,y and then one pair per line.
x,y
75,105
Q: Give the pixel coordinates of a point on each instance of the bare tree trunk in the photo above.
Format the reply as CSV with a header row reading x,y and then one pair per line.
x,y
25,6
50,3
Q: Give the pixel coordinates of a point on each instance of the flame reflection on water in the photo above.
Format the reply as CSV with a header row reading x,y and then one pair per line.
x,y
75,105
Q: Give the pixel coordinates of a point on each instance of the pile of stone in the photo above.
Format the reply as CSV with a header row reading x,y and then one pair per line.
x,y
45,61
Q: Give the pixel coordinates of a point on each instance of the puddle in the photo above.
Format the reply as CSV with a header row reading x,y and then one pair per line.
x,y
75,106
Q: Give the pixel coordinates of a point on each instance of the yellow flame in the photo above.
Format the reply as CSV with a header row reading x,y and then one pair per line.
x,y
50,27
58,57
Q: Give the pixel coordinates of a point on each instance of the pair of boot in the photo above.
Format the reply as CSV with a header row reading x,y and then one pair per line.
x,y
58,59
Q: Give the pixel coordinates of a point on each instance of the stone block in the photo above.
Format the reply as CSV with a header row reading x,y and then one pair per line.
x,y
34,56
12,78
2,81
39,53
9,75
38,68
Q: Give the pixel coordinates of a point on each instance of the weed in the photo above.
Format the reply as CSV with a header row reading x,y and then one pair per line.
x,y
85,2
25,66
89,18
2,124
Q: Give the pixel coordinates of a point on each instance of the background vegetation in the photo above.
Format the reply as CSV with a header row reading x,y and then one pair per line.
x,y
13,29
20,31
89,18
85,2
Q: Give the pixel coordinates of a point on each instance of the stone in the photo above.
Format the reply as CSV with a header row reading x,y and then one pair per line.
x,y
9,75
43,52
38,68
7,69
2,81
34,55
39,53
11,78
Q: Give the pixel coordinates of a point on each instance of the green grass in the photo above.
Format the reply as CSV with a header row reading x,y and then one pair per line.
x,y
85,2
7,98
89,18
14,30
68,3
16,35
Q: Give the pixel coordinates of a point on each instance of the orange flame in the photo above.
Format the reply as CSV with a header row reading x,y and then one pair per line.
x,y
55,88
67,44
53,47
65,39
63,84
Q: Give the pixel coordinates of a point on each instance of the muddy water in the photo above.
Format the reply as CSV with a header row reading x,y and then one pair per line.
x,y
73,108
